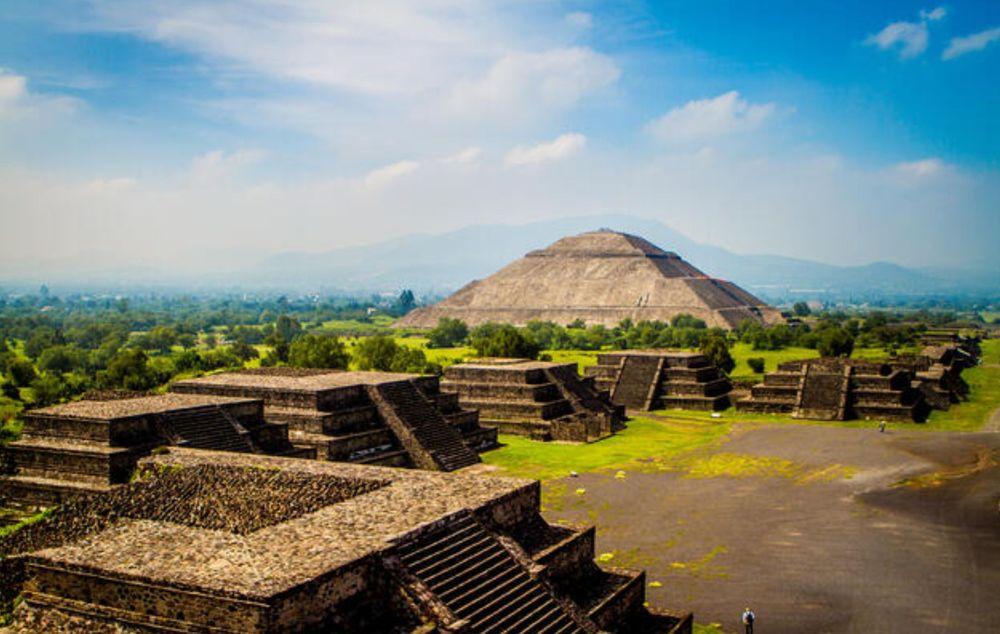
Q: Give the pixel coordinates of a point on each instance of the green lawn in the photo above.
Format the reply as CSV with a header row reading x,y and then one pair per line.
x,y
984,395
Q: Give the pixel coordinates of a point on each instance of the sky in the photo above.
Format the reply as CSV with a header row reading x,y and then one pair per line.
x,y
188,133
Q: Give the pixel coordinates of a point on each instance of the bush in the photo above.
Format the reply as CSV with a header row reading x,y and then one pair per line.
x,y
448,333
62,359
801,309
46,390
503,340
684,320
128,369
22,372
756,364
716,348
834,342
376,353
317,351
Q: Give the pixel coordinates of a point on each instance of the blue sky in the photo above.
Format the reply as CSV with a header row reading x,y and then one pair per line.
x,y
202,133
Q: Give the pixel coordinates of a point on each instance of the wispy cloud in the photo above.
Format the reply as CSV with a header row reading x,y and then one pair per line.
x,y
219,165
19,103
709,118
970,43
463,157
555,150
379,178
580,19
527,82
922,168
909,38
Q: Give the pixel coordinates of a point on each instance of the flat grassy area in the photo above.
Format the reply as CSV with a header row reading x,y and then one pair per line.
x,y
644,446
984,395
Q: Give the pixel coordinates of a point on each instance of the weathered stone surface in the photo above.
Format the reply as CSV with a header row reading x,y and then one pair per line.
x,y
656,379
601,277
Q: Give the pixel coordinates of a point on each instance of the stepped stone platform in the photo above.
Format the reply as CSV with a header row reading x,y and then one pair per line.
x,y
90,445
658,379
600,277
937,373
223,542
838,389
539,399
379,418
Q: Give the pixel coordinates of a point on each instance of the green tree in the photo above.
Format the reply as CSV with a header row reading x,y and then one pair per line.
x,y
503,340
716,348
834,341
22,372
128,369
376,353
801,309
62,359
448,333
317,351
244,351
41,338
405,302
756,364
46,390
287,327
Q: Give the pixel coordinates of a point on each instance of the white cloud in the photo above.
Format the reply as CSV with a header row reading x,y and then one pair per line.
x,y
970,43
580,19
18,103
463,157
934,14
909,37
921,169
525,82
708,118
557,149
378,178
219,165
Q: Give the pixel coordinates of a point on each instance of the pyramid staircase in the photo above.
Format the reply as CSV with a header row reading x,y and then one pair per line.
x,y
823,393
207,427
637,381
421,427
466,571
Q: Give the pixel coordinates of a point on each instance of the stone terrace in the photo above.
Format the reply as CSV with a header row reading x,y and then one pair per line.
x,y
379,418
392,549
838,389
657,379
543,400
89,445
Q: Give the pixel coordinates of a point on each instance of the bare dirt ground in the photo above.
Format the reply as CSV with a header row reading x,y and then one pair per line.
x,y
814,553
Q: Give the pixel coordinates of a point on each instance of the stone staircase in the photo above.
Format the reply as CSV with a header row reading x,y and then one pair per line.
x,y
473,576
207,427
637,374
823,394
411,415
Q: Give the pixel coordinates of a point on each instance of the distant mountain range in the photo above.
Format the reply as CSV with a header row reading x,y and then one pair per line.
x,y
447,261
441,263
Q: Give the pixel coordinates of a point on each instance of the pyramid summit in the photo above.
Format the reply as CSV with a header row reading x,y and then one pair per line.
x,y
601,277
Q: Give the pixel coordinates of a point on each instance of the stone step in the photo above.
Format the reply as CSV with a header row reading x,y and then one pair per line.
x,y
500,409
471,390
26,490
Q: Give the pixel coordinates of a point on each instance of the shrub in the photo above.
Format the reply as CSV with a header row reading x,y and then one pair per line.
x,y
317,351
834,342
448,333
503,340
376,353
22,372
46,390
756,364
128,369
716,348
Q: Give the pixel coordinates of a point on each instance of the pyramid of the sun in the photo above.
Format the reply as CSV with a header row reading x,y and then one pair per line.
x,y
601,277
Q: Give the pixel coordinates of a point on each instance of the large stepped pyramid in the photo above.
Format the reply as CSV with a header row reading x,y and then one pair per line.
x,y
601,277
838,389
376,418
539,399
657,379
472,574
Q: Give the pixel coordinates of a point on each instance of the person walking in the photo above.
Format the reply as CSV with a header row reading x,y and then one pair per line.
x,y
748,619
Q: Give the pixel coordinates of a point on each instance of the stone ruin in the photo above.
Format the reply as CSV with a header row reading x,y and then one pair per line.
x,y
367,417
600,277
225,542
838,389
937,373
539,399
89,445
379,418
943,338
658,379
